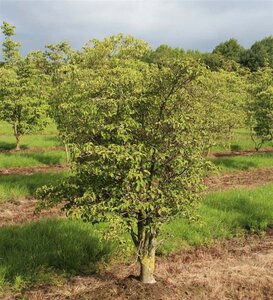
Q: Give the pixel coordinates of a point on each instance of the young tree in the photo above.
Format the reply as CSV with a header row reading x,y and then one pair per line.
x,y
260,106
223,96
11,52
137,141
23,89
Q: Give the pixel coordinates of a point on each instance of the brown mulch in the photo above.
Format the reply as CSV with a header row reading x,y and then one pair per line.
x,y
240,268
33,149
22,211
245,152
238,179
33,170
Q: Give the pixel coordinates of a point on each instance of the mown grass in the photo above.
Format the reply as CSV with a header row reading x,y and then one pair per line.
x,y
45,251
240,140
8,160
222,215
14,187
47,137
48,250
244,162
6,129
29,141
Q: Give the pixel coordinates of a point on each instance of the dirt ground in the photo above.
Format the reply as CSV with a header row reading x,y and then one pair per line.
x,y
245,152
241,268
32,170
21,211
237,179
33,149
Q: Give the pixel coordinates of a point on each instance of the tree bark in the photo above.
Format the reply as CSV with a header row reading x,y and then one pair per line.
x,y
18,138
147,267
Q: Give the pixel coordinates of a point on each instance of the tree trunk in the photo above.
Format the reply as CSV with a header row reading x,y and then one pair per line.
x,y
67,153
147,267
18,138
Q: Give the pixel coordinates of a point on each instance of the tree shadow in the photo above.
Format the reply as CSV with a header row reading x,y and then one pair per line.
x,y
4,146
231,164
242,211
30,183
45,158
50,246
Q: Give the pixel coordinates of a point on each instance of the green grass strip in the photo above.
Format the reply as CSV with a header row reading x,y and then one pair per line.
x,y
8,160
244,162
14,187
222,215
39,252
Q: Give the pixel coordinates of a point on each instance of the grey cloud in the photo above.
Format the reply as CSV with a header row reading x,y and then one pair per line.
x,y
188,24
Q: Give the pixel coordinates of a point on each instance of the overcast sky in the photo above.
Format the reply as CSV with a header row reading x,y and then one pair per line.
x,y
190,24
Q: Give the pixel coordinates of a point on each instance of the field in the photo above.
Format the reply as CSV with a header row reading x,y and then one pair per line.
x,y
225,252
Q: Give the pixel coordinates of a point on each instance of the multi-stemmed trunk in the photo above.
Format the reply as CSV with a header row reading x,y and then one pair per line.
x,y
147,264
18,138
145,241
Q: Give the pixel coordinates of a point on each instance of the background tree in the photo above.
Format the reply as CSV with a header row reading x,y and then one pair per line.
x,y
222,96
259,55
230,49
10,49
137,141
23,89
260,106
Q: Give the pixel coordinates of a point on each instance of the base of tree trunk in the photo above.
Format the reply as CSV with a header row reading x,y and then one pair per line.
x,y
147,266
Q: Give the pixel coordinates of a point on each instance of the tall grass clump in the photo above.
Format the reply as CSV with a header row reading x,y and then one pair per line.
x,y
14,187
222,215
49,158
244,162
39,251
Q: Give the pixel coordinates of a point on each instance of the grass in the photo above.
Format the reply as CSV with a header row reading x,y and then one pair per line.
x,y
6,129
222,215
48,137
45,251
29,141
8,160
48,250
241,140
246,162
14,187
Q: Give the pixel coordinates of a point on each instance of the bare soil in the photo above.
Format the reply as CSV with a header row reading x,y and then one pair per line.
x,y
33,170
245,152
240,268
249,178
22,211
33,149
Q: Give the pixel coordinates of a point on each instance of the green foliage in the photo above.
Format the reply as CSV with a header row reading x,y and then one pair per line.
x,y
137,137
260,106
11,52
230,49
23,92
223,96
259,55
